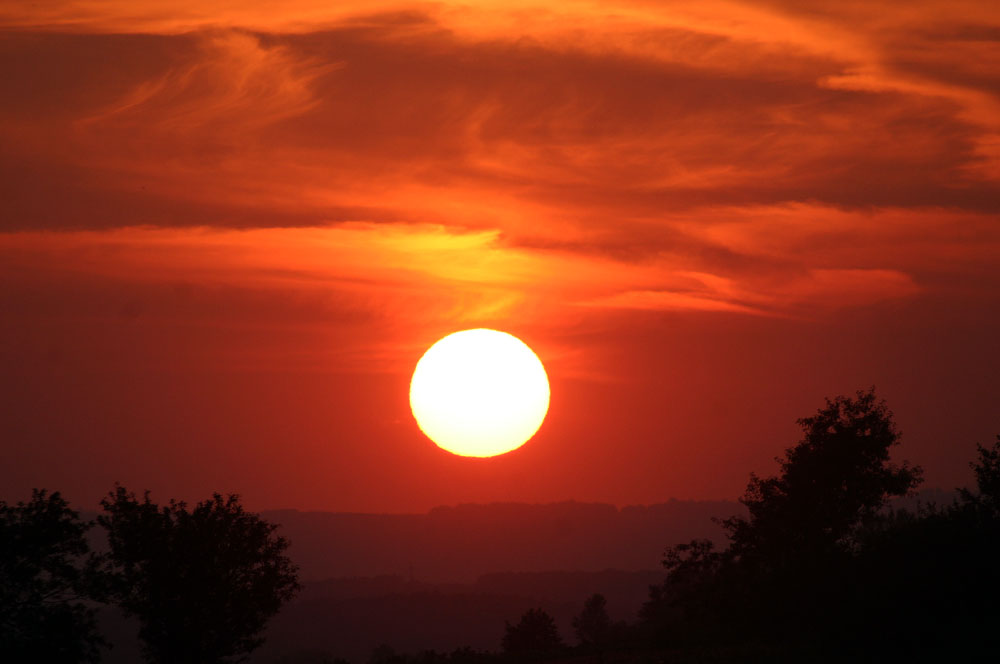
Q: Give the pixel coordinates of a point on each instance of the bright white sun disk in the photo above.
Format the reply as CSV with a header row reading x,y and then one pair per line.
x,y
479,393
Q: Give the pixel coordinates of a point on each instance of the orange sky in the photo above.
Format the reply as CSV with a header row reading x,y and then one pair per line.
x,y
229,230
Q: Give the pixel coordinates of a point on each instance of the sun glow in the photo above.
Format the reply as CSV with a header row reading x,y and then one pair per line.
x,y
479,393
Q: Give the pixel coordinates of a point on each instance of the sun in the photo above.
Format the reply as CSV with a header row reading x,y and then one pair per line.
x,y
479,393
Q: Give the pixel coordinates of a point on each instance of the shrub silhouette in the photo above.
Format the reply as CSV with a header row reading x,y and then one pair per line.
x,y
535,635
46,573
202,582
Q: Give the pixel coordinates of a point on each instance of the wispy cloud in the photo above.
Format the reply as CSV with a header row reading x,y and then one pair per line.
x,y
511,159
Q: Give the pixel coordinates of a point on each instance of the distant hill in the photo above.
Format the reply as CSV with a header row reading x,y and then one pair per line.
x,y
459,544
351,617
451,577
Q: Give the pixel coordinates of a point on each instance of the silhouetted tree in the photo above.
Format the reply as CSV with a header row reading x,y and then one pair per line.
x,y
788,567
593,626
595,630
46,573
385,654
467,655
838,475
534,636
987,471
202,582
933,572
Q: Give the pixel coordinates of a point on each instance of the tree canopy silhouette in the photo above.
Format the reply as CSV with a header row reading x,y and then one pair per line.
x,y
202,582
46,573
593,626
535,635
837,476
987,472
788,566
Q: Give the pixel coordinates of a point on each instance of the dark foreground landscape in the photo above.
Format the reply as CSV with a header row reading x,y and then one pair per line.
x,y
835,557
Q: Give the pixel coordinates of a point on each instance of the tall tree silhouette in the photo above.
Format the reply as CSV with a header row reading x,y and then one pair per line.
x,y
202,582
837,476
788,568
535,635
46,573
595,629
987,471
593,626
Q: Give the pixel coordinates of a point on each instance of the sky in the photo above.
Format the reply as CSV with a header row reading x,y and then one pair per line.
x,y
228,231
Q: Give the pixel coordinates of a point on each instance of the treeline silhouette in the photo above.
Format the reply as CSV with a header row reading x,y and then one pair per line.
x,y
820,568
201,582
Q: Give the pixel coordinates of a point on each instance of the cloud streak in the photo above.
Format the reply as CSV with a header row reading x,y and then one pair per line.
x,y
760,159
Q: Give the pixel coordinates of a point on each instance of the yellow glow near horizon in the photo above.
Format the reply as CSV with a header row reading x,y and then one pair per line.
x,y
479,393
